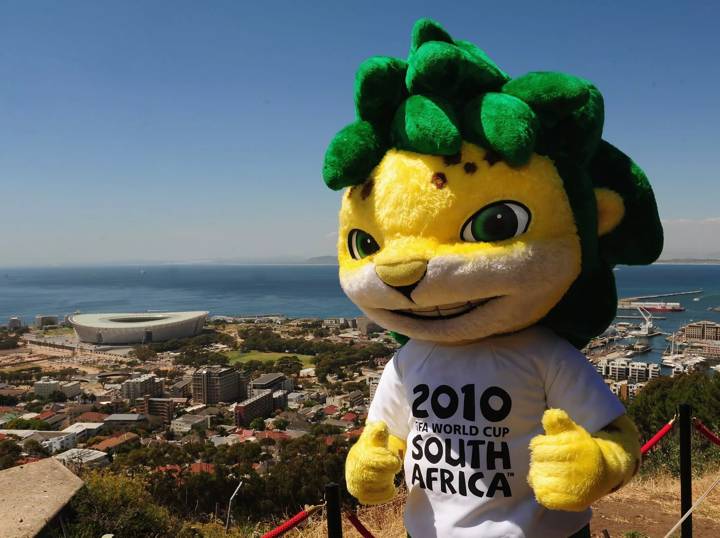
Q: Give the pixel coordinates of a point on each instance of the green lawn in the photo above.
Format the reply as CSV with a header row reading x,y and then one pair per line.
x,y
238,356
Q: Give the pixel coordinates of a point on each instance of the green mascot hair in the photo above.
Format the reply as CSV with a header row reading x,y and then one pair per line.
x,y
449,91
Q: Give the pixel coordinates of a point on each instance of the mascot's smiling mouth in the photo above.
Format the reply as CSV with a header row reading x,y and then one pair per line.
x,y
444,311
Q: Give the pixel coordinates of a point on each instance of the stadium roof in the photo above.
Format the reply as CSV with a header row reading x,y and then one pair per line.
x,y
128,320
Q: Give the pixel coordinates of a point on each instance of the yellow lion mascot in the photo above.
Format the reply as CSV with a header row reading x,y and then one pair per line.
x,y
481,219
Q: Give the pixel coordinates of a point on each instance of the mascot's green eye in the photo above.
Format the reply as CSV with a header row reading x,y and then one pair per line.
x,y
496,222
361,244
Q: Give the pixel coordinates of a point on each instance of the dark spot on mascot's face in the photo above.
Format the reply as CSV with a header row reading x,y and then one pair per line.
x,y
366,189
491,157
452,159
439,180
470,168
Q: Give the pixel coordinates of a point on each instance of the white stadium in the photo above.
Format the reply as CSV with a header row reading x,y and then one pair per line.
x,y
141,328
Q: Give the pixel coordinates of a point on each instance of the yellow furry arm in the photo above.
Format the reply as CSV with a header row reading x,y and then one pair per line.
x,y
620,445
570,469
372,464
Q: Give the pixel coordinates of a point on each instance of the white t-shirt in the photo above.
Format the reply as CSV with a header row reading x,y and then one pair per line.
x,y
468,413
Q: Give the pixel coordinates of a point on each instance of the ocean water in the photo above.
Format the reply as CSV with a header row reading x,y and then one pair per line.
x,y
294,290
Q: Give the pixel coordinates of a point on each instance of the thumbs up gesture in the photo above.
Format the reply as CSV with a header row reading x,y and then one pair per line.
x,y
567,468
371,466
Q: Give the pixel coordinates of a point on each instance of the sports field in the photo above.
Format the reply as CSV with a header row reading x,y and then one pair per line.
x,y
238,356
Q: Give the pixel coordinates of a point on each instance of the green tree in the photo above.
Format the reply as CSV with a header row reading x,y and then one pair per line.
x,y
9,453
8,342
197,357
8,400
34,407
34,448
257,424
27,424
289,366
281,424
143,353
325,429
117,504
658,402
57,396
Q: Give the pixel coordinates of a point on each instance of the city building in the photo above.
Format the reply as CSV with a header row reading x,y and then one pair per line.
x,y
146,384
638,372
53,419
260,405
272,381
14,323
215,384
70,389
42,321
280,399
373,380
46,386
620,389
159,407
634,372
367,327
114,443
346,400
625,390
618,369
634,389
124,420
54,442
702,330
83,457
181,389
336,323
84,430
295,399
136,328
710,349
186,423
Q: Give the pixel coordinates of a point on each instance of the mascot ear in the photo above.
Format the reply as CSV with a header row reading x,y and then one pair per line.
x,y
610,210
635,238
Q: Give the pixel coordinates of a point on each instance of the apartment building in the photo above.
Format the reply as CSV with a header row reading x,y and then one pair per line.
x,y
215,384
272,381
260,405
146,384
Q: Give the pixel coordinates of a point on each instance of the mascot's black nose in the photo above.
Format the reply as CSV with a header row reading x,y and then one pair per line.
x,y
406,290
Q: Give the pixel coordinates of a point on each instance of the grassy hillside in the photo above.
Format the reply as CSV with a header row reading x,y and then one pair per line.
x,y
647,507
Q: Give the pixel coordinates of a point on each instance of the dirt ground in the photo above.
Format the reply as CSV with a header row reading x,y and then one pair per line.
x,y
652,507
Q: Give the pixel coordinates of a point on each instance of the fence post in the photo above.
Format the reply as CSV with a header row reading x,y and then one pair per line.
x,y
334,516
685,468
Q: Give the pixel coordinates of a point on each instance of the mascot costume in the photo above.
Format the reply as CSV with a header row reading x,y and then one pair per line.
x,y
481,221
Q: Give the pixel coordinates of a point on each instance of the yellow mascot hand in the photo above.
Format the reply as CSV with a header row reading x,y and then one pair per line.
x,y
567,466
372,464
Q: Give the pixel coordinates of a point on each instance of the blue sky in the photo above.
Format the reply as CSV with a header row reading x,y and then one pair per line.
x,y
169,131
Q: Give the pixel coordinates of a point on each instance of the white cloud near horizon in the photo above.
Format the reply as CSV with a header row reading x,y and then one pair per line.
x,y
692,238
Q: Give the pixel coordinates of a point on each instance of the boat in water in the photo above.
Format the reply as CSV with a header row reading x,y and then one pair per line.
x,y
654,306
